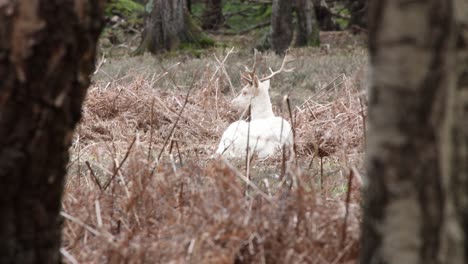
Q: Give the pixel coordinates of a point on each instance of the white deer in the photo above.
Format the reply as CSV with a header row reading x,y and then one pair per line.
x,y
266,133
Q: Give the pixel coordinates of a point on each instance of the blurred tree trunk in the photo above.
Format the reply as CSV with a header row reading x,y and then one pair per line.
x,y
459,161
324,17
212,15
168,25
415,204
46,58
281,25
308,32
358,11
189,6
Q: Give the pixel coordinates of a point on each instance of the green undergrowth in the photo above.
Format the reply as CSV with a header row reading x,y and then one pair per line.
x,y
127,8
239,15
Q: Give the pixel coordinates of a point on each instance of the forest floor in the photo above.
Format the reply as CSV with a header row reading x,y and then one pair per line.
x,y
143,185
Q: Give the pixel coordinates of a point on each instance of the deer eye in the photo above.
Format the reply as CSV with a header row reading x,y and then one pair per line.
x,y
244,92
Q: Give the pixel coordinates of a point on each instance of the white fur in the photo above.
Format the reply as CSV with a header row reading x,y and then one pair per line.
x,y
267,133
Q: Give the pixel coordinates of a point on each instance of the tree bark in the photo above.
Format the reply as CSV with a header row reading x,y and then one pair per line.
x,y
324,17
308,32
168,25
410,207
281,25
213,15
45,61
458,161
189,6
358,11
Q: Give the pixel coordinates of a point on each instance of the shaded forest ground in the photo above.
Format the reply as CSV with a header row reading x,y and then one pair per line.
x,y
143,186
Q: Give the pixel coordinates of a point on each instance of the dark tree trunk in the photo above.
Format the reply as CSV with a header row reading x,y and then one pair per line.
x,y
358,11
189,6
213,15
324,17
281,25
168,26
308,32
416,146
459,131
46,58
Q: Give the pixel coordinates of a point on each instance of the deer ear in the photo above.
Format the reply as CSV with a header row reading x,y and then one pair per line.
x,y
255,81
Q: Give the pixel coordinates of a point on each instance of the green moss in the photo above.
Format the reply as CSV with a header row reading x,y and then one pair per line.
x,y
127,8
195,36
240,16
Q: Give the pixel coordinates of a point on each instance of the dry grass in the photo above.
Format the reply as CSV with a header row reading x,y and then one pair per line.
x,y
143,188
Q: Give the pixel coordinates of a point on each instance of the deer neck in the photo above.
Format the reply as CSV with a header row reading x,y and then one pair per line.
x,y
261,107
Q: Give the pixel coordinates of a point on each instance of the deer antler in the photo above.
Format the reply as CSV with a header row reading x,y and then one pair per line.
x,y
248,75
254,67
281,69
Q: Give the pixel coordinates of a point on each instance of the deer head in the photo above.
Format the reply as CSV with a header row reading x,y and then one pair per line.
x,y
256,91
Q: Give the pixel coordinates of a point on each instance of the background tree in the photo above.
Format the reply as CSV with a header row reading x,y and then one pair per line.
x,y
415,139
308,31
46,58
212,15
168,25
282,24
459,131
358,12
324,15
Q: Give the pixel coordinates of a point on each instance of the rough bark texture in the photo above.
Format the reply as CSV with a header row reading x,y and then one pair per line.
x,y
47,50
281,25
212,15
308,32
412,160
168,24
459,131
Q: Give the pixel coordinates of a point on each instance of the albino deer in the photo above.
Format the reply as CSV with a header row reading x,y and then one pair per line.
x,y
266,133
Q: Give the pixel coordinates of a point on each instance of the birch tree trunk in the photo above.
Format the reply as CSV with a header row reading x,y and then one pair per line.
x,y
416,199
46,58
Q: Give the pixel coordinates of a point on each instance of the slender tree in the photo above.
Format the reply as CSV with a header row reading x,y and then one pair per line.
x,y
212,14
281,25
308,31
281,35
416,201
47,51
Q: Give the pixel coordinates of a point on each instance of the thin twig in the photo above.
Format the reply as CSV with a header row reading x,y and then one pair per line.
x,y
95,178
249,182
80,223
68,256
247,148
120,165
348,198
292,127
150,145
101,62
178,152
178,117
